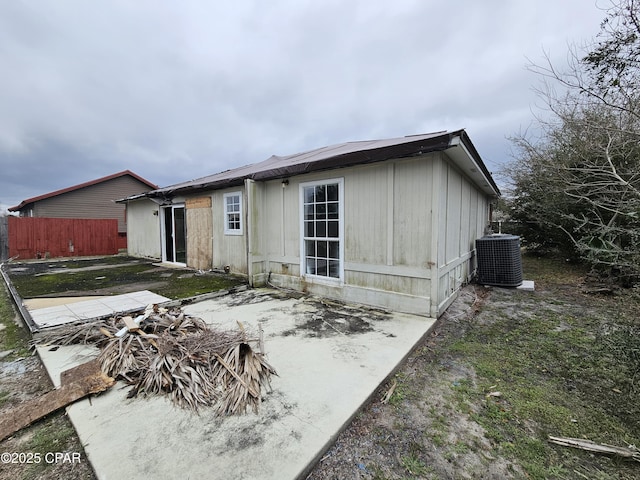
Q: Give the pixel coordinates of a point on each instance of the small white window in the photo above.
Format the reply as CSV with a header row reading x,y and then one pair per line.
x,y
233,213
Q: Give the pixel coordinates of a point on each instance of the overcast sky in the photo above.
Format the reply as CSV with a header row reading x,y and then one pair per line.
x,y
176,90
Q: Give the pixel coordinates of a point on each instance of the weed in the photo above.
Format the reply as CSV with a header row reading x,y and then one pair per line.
x,y
52,437
401,391
414,465
460,448
437,438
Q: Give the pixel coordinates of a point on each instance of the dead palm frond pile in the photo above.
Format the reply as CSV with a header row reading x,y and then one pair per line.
x,y
168,352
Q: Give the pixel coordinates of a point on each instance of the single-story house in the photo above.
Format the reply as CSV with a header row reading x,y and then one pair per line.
x,y
95,199
389,223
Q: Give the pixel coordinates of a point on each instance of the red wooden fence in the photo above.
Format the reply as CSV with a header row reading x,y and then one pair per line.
x,y
34,237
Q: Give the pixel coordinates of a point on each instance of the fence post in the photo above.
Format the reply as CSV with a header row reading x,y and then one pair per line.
x,y
4,238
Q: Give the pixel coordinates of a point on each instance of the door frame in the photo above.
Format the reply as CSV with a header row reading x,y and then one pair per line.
x,y
169,236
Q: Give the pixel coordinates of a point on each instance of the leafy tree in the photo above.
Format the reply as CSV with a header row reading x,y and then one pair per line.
x,y
576,188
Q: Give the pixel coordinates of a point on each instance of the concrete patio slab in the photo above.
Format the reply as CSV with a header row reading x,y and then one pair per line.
x,y
73,310
330,359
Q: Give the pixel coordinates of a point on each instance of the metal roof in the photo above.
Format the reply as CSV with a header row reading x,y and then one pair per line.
x,y
344,155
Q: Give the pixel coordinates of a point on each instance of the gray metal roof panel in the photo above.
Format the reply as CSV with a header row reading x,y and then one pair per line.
x,y
332,156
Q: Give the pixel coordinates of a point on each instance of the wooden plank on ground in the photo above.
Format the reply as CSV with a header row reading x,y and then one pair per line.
x,y
77,383
588,445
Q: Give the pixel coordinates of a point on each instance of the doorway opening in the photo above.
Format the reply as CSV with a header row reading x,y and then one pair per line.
x,y
175,235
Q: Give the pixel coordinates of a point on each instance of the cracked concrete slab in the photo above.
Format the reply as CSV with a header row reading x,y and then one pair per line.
x,y
330,359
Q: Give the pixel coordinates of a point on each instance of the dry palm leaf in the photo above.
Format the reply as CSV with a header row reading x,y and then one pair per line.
x,y
178,355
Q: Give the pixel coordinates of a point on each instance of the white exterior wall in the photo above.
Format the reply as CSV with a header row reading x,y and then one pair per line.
x,y
405,222
462,217
143,229
228,250
387,234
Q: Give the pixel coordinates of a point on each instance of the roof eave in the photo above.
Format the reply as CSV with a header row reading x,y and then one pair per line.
x,y
464,154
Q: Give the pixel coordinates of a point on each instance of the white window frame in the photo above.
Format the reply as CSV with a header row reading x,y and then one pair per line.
x,y
227,213
310,276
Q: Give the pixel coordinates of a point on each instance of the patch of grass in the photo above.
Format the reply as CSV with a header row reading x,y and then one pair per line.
x,y
53,434
550,270
460,448
555,377
414,465
171,283
198,284
401,392
12,336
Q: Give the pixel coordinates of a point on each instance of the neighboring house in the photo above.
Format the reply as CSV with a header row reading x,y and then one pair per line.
x,y
94,199
389,223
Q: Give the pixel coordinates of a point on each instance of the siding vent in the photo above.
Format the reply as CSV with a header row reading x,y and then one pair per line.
x,y
499,260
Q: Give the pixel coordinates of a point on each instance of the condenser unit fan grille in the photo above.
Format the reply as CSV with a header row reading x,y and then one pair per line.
x,y
499,260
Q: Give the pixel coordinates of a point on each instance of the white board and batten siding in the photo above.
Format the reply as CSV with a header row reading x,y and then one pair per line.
x,y
143,237
462,218
228,249
393,240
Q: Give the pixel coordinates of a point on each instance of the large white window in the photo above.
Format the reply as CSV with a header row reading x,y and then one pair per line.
x,y
233,213
322,229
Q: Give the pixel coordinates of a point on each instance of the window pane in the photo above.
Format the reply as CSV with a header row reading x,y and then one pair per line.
x,y
308,212
308,229
333,229
332,192
321,268
334,250
308,194
332,210
322,249
311,266
321,211
334,268
321,228
320,194
310,248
